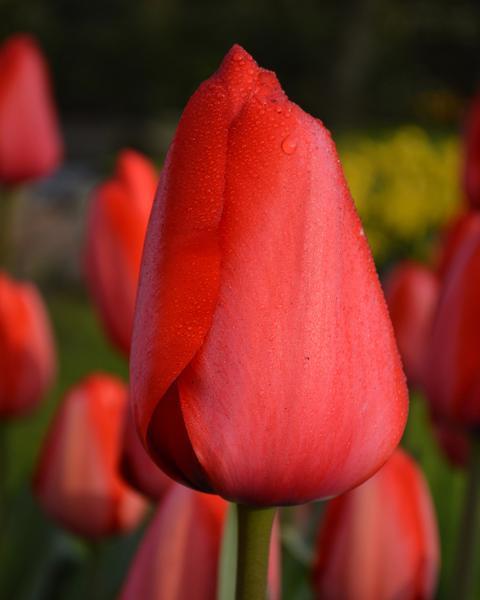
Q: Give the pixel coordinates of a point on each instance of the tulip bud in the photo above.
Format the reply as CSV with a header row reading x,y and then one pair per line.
x,y
27,352
30,142
461,226
77,481
471,175
116,225
137,468
178,557
264,366
452,375
380,541
411,292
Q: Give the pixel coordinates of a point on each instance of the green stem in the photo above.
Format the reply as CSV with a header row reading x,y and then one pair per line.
x,y
254,529
464,571
3,481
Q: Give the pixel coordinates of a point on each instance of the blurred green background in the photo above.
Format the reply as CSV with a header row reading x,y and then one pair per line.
x,y
390,78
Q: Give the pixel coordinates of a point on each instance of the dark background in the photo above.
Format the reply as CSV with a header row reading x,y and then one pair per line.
x,y
349,62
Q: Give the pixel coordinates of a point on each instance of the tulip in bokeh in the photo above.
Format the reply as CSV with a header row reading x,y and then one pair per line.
x,y
27,352
116,225
264,366
380,541
77,481
179,555
460,227
411,291
137,468
452,379
30,142
472,155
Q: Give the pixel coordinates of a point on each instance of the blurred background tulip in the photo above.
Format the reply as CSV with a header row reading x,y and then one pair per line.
x,y
77,481
116,226
380,541
30,139
453,363
411,292
178,557
27,350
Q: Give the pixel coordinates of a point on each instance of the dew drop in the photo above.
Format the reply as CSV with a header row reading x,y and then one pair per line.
x,y
237,57
289,145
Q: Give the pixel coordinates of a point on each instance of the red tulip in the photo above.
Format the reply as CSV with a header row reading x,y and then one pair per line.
x,y
179,555
27,352
116,226
454,443
472,155
77,481
264,366
137,468
380,541
411,292
453,361
30,142
460,227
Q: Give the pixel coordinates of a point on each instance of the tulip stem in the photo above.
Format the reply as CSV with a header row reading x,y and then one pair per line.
x,y
462,583
254,529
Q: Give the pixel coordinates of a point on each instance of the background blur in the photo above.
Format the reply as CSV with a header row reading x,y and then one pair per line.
x,y
390,78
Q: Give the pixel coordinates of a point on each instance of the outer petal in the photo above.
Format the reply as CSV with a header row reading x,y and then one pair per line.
x,y
411,291
27,351
116,226
178,557
30,143
260,304
77,482
380,541
453,361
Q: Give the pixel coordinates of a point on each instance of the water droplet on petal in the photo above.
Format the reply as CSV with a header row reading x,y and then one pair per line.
x,y
289,145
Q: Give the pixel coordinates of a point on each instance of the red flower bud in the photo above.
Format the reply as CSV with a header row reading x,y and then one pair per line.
x,y
77,481
452,379
264,366
137,468
179,556
380,541
30,142
116,226
27,352
458,228
411,291
472,155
